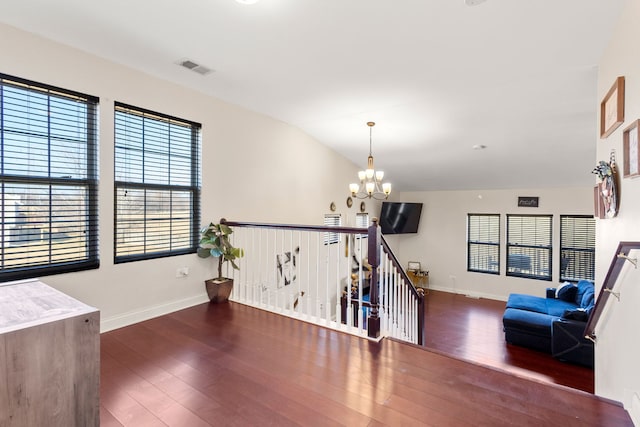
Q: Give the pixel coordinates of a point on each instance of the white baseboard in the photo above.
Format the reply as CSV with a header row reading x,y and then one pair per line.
x,y
130,318
472,294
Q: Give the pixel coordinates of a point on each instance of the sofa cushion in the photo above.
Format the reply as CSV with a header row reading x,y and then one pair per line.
x,y
527,302
587,298
567,292
550,306
583,286
529,321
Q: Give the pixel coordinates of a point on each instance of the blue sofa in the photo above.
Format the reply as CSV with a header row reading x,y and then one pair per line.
x,y
554,324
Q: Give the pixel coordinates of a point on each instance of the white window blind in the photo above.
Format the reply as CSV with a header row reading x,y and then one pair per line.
x,y
529,246
483,243
332,220
577,247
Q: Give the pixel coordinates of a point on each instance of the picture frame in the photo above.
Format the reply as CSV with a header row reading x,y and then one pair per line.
x,y
612,108
598,207
528,201
413,266
631,151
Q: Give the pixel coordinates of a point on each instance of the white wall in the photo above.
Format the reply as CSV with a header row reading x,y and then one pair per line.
x,y
440,244
254,169
618,347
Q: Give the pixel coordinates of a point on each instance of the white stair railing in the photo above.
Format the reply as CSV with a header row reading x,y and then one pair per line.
x,y
319,274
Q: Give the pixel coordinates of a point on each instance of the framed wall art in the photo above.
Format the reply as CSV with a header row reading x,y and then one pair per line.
x,y
612,108
631,160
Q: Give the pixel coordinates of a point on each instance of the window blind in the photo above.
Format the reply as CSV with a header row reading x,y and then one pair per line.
x,y
577,247
483,243
529,246
48,178
332,220
157,184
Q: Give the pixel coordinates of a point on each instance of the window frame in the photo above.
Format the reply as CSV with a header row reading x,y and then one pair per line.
x,y
83,186
563,277
193,188
491,244
532,263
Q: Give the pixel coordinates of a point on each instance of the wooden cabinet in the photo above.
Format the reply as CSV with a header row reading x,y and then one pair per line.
x,y
420,279
49,358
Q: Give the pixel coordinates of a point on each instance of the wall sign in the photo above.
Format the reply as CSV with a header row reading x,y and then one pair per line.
x,y
527,202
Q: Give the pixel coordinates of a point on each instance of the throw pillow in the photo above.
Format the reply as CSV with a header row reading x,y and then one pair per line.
x,y
583,286
566,292
577,314
587,298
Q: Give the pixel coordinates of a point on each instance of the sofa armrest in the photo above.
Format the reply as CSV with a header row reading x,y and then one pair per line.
x,y
573,327
551,293
569,344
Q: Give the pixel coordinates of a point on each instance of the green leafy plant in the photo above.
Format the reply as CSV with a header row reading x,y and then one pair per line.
x,y
214,242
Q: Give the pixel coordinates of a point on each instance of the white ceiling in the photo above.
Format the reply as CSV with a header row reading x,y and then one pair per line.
x,y
437,76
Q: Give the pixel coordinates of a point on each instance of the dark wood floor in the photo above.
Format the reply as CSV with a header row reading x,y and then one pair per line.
x,y
471,329
231,365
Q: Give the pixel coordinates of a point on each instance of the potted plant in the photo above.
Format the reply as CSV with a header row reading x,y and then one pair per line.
x,y
214,242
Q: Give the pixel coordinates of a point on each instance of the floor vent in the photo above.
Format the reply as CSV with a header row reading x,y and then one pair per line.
x,y
195,67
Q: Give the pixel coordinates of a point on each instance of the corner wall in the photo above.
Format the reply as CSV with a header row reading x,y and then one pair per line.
x,y
441,242
254,169
618,346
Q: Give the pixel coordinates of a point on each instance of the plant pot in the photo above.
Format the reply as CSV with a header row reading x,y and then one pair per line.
x,y
219,289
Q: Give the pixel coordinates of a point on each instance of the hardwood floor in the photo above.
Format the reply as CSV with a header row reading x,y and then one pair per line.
x,y
471,329
231,365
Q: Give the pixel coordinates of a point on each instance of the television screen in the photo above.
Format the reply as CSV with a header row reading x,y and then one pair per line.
x,y
400,217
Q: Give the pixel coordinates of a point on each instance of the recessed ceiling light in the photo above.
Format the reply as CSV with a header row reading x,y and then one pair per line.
x,y
469,2
247,1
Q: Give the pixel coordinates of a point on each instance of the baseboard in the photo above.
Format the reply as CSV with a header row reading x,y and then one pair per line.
x,y
470,293
132,317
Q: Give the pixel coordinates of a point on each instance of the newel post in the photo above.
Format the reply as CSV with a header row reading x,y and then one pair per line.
x,y
373,321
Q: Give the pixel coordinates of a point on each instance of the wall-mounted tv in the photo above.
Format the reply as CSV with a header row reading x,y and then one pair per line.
x,y
400,217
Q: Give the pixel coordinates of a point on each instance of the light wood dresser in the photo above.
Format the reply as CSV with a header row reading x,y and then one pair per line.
x,y
49,358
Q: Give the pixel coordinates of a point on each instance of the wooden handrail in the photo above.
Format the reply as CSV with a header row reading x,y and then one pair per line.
x,y
609,282
319,228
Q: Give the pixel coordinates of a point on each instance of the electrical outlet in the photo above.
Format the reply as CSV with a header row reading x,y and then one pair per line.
x,y
182,272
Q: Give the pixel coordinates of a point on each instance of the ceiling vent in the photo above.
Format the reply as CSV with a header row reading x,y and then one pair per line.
x,y
195,67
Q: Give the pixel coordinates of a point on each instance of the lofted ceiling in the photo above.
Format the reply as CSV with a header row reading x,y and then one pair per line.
x,y
437,76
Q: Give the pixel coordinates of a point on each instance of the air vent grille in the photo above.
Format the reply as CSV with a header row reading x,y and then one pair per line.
x,y
195,67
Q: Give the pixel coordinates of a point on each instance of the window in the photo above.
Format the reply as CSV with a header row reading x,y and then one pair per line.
x,y
48,176
529,246
362,220
332,220
577,247
157,184
483,243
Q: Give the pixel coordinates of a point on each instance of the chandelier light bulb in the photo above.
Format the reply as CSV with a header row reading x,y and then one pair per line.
x,y
386,188
370,187
362,175
370,173
379,175
353,188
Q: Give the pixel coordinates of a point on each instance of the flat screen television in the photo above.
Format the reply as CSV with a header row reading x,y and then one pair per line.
x,y
400,217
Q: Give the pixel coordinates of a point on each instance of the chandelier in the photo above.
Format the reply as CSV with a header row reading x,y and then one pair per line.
x,y
371,185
